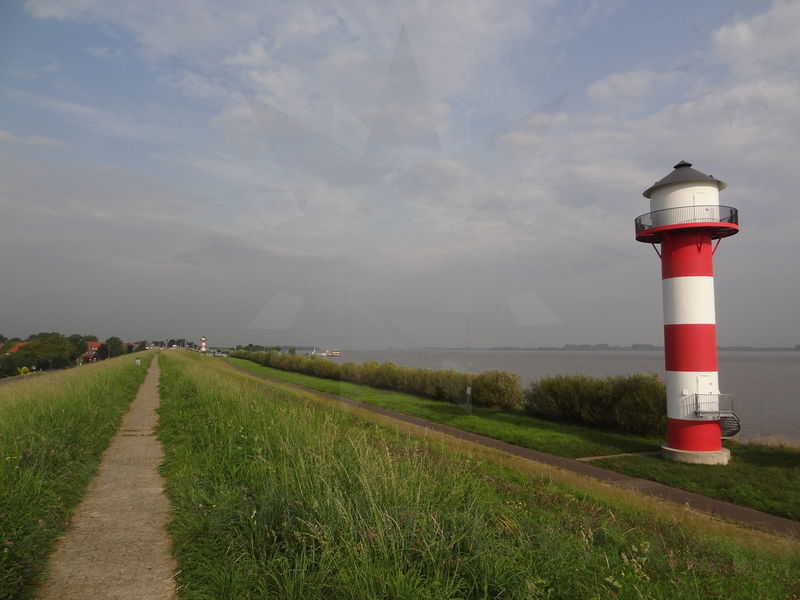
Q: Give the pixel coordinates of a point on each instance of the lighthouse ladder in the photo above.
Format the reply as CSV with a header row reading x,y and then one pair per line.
x,y
729,424
718,407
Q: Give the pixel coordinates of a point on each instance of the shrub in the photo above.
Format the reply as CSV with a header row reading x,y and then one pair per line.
x,y
350,371
641,404
386,376
321,367
630,404
497,389
450,385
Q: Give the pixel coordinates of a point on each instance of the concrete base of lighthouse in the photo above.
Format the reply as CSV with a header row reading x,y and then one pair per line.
x,y
697,457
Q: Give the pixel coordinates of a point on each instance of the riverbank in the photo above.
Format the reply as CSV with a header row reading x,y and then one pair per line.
x,y
764,383
286,493
749,480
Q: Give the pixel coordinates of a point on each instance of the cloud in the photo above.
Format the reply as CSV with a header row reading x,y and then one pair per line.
x,y
765,45
633,86
279,313
415,162
56,9
33,140
104,53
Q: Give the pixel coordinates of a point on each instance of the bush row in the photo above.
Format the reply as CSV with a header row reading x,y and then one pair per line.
x,y
630,404
494,389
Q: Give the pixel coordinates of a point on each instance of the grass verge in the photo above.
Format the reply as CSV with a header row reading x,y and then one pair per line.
x,y
275,496
766,478
571,441
53,431
749,480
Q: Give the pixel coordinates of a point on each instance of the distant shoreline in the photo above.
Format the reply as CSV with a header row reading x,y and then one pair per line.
x,y
565,348
605,348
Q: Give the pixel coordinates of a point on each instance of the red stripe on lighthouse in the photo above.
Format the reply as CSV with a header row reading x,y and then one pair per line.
x,y
690,347
686,254
698,436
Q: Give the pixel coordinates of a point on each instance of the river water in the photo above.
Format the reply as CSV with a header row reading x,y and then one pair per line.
x,y
766,385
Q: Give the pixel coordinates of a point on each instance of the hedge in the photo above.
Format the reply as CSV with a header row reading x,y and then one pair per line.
x,y
629,404
447,385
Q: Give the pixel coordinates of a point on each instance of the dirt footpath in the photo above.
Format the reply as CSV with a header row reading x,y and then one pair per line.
x,y
117,545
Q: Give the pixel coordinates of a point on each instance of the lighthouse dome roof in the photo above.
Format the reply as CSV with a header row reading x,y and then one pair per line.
x,y
684,173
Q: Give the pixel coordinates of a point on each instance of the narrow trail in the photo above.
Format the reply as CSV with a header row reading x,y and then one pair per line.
x,y
117,546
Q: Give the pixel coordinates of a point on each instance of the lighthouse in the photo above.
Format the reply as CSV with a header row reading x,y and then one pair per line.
x,y
685,225
203,344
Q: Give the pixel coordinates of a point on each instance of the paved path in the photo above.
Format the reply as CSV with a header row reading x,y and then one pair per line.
x,y
718,508
117,545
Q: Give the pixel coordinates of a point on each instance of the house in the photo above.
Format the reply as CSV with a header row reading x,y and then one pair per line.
x,y
92,348
15,347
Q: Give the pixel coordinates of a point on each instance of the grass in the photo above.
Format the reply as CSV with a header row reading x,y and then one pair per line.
x,y
52,433
276,496
749,480
766,478
571,441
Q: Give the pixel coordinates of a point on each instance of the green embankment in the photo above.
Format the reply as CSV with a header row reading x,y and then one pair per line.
x,y
52,433
750,479
278,495
516,428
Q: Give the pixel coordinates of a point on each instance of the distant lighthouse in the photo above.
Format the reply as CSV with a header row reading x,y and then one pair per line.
x,y
686,219
203,344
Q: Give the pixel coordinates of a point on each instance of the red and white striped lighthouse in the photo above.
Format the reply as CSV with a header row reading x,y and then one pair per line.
x,y
688,222
203,344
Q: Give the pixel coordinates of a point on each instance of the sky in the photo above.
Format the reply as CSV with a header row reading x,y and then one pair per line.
x,y
367,174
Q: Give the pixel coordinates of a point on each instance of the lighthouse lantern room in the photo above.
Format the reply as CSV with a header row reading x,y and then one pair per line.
x,y
687,221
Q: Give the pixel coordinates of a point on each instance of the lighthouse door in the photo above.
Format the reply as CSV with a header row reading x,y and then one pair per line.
x,y
705,384
707,401
702,210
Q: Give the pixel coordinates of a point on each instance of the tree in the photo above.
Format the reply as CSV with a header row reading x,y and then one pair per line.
x,y
7,365
3,339
46,351
79,342
141,347
114,347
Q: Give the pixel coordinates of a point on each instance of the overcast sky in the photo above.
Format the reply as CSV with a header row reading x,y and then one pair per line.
x,y
370,174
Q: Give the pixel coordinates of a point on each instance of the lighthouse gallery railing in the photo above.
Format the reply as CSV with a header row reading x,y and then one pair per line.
x,y
711,406
704,213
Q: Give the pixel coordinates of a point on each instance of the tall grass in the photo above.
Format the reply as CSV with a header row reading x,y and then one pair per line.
x,y
627,404
52,433
499,389
513,427
748,480
274,496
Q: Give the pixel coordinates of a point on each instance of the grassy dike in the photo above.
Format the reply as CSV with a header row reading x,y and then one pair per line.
x,y
53,430
278,495
571,441
749,480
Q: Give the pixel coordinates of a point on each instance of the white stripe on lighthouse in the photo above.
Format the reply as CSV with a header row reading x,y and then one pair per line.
x,y
688,300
